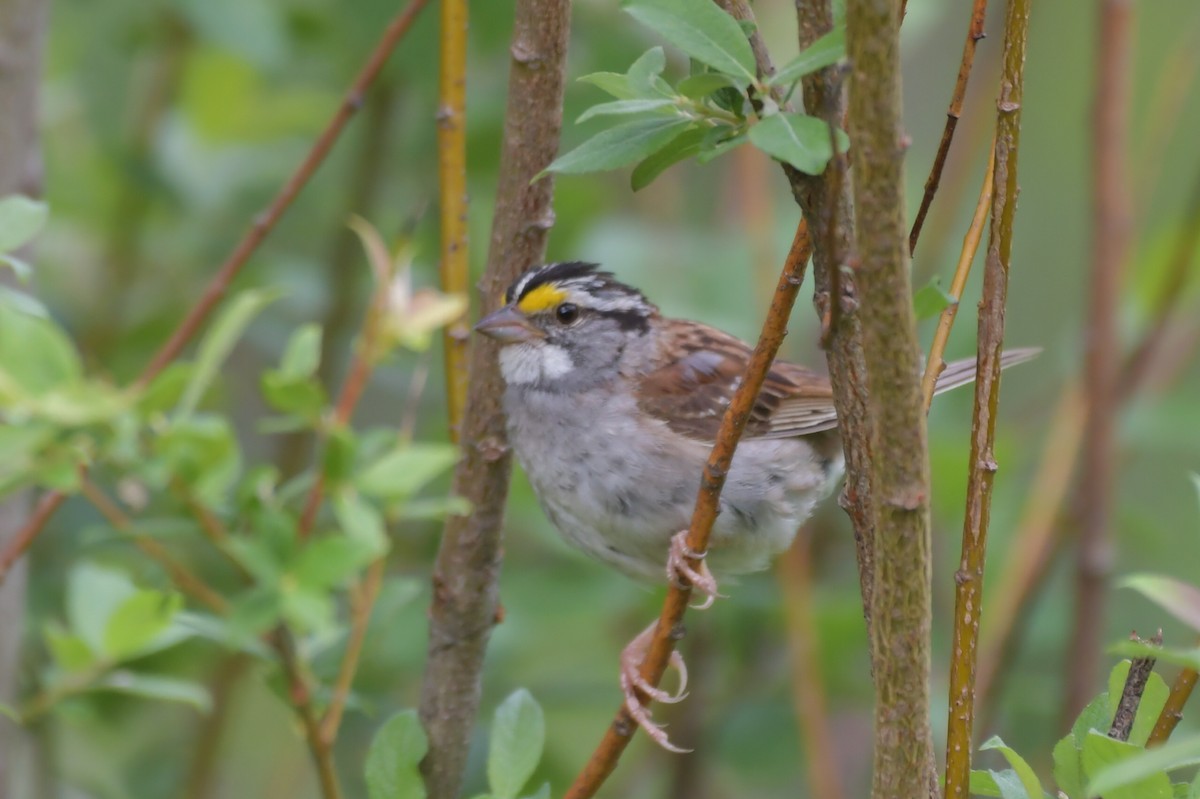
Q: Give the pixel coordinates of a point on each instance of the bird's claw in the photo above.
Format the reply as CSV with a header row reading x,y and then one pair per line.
x,y
678,567
632,683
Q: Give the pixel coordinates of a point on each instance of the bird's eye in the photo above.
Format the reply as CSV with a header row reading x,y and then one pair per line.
x,y
567,313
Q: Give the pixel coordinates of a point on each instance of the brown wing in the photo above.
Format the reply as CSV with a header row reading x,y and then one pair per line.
x,y
691,391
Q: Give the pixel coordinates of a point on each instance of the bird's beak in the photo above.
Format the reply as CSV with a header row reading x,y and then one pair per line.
x,y
508,326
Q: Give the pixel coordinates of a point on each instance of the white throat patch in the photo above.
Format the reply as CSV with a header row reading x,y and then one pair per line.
x,y
522,364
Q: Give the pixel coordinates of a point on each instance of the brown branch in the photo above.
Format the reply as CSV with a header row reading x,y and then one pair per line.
x,y
935,364
465,590
968,601
1110,245
1172,712
794,572
452,184
1031,552
1131,693
901,604
263,224
974,34
301,698
180,575
362,602
670,621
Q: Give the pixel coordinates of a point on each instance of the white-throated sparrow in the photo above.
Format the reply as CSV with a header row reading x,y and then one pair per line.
x,y
613,409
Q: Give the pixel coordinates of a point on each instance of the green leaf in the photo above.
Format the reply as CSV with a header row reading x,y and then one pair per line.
x,y
826,50
165,391
983,783
20,220
303,353
70,652
19,301
255,612
328,562
1176,597
1145,764
715,146
931,299
620,107
1068,770
148,686
406,469
1029,780
393,760
436,508
518,735
298,396
137,621
93,595
226,329
686,144
1187,658
1101,752
702,30
36,355
202,452
542,793
309,611
797,139
1097,715
361,522
644,75
1009,785
620,145
703,84
613,83
337,461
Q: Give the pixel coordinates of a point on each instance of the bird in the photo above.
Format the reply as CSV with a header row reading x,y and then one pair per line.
x,y
612,409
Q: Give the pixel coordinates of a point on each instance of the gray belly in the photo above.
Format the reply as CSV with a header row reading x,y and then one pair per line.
x,y
619,493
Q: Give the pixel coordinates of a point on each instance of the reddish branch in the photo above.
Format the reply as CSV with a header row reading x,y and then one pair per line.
x,y
263,224
1172,712
1112,221
982,465
974,34
465,592
670,621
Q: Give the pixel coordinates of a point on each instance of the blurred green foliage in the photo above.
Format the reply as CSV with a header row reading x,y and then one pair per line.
x,y
170,123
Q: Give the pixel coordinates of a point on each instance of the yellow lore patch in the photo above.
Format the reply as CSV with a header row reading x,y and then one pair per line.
x,y
542,298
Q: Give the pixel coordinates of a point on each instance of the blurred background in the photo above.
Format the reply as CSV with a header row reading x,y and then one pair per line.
x,y
168,125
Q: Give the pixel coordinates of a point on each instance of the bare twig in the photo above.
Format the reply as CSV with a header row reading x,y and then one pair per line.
x,y
1172,712
1137,366
301,698
1110,245
452,183
935,364
974,34
180,575
794,572
465,592
215,291
1131,693
982,465
362,602
669,628
1031,553
899,470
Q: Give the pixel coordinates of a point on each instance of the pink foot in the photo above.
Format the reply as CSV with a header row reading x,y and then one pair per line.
x,y
632,682
701,579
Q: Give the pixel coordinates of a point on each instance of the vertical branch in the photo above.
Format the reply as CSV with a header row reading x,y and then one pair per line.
x,y
968,594
452,182
901,605
465,592
1110,244
22,36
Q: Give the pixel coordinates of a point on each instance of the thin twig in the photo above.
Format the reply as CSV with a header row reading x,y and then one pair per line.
x,y
452,185
1131,693
974,34
670,628
362,602
1110,245
180,575
794,572
935,364
465,575
1137,366
1031,552
1172,712
968,595
263,224
300,696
